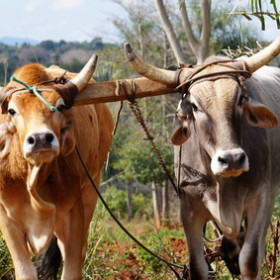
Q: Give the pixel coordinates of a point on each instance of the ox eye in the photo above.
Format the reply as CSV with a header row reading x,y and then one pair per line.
x,y
61,108
242,99
12,112
194,107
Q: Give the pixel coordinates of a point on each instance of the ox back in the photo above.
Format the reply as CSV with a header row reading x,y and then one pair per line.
x,y
230,200
44,191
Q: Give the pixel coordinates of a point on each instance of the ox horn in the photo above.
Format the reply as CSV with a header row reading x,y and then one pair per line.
x,y
81,80
264,56
163,76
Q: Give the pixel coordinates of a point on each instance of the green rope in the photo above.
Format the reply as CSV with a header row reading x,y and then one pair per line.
x,y
36,91
13,78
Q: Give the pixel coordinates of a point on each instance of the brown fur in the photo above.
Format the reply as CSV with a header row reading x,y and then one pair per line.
x,y
59,199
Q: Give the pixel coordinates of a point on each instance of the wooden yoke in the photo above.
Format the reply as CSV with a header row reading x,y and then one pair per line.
x,y
112,91
119,90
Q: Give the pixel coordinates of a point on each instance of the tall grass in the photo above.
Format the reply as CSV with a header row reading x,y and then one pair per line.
x,y
112,255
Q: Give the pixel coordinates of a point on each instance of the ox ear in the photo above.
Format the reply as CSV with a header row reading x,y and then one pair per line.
x,y
67,142
7,130
181,132
182,121
259,115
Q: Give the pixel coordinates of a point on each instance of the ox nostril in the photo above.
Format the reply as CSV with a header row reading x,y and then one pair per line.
x,y
31,140
222,160
49,137
242,159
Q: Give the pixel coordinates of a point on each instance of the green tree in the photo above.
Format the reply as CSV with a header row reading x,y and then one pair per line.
x,y
49,45
134,155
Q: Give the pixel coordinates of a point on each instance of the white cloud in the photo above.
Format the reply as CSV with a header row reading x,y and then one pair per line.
x,y
67,4
32,5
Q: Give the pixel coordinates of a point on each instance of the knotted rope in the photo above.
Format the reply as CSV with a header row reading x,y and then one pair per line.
x,y
34,89
66,89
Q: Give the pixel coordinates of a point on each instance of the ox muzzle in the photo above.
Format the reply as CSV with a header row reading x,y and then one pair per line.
x,y
230,163
41,147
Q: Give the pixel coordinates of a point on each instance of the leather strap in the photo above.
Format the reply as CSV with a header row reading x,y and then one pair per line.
x,y
68,92
237,71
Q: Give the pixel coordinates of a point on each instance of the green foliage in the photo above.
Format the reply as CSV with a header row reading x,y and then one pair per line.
x,y
140,164
133,154
258,11
277,208
140,205
111,64
75,66
229,35
160,243
6,266
117,201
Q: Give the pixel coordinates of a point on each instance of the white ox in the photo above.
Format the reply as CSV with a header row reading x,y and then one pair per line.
x,y
227,129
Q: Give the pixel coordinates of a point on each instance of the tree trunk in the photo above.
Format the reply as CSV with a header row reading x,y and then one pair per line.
x,y
206,30
129,203
140,39
165,203
199,47
165,51
169,31
155,206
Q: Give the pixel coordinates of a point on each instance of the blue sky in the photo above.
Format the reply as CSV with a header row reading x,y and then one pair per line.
x,y
70,20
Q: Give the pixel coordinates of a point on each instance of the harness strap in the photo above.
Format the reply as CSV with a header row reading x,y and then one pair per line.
x,y
68,92
66,89
236,71
36,91
178,72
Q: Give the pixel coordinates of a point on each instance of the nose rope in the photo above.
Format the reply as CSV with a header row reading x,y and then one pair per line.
x,y
35,90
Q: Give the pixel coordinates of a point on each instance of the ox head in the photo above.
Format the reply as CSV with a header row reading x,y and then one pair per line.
x,y
38,114
214,104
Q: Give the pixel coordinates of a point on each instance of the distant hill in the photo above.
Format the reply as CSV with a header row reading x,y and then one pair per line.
x,y
12,41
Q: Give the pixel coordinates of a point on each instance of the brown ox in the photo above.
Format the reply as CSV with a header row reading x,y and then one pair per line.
x,y
230,153
44,191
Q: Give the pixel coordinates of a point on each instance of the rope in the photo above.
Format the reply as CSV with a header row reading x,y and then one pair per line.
x,y
118,118
170,264
66,89
130,93
179,168
137,112
35,90
234,72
